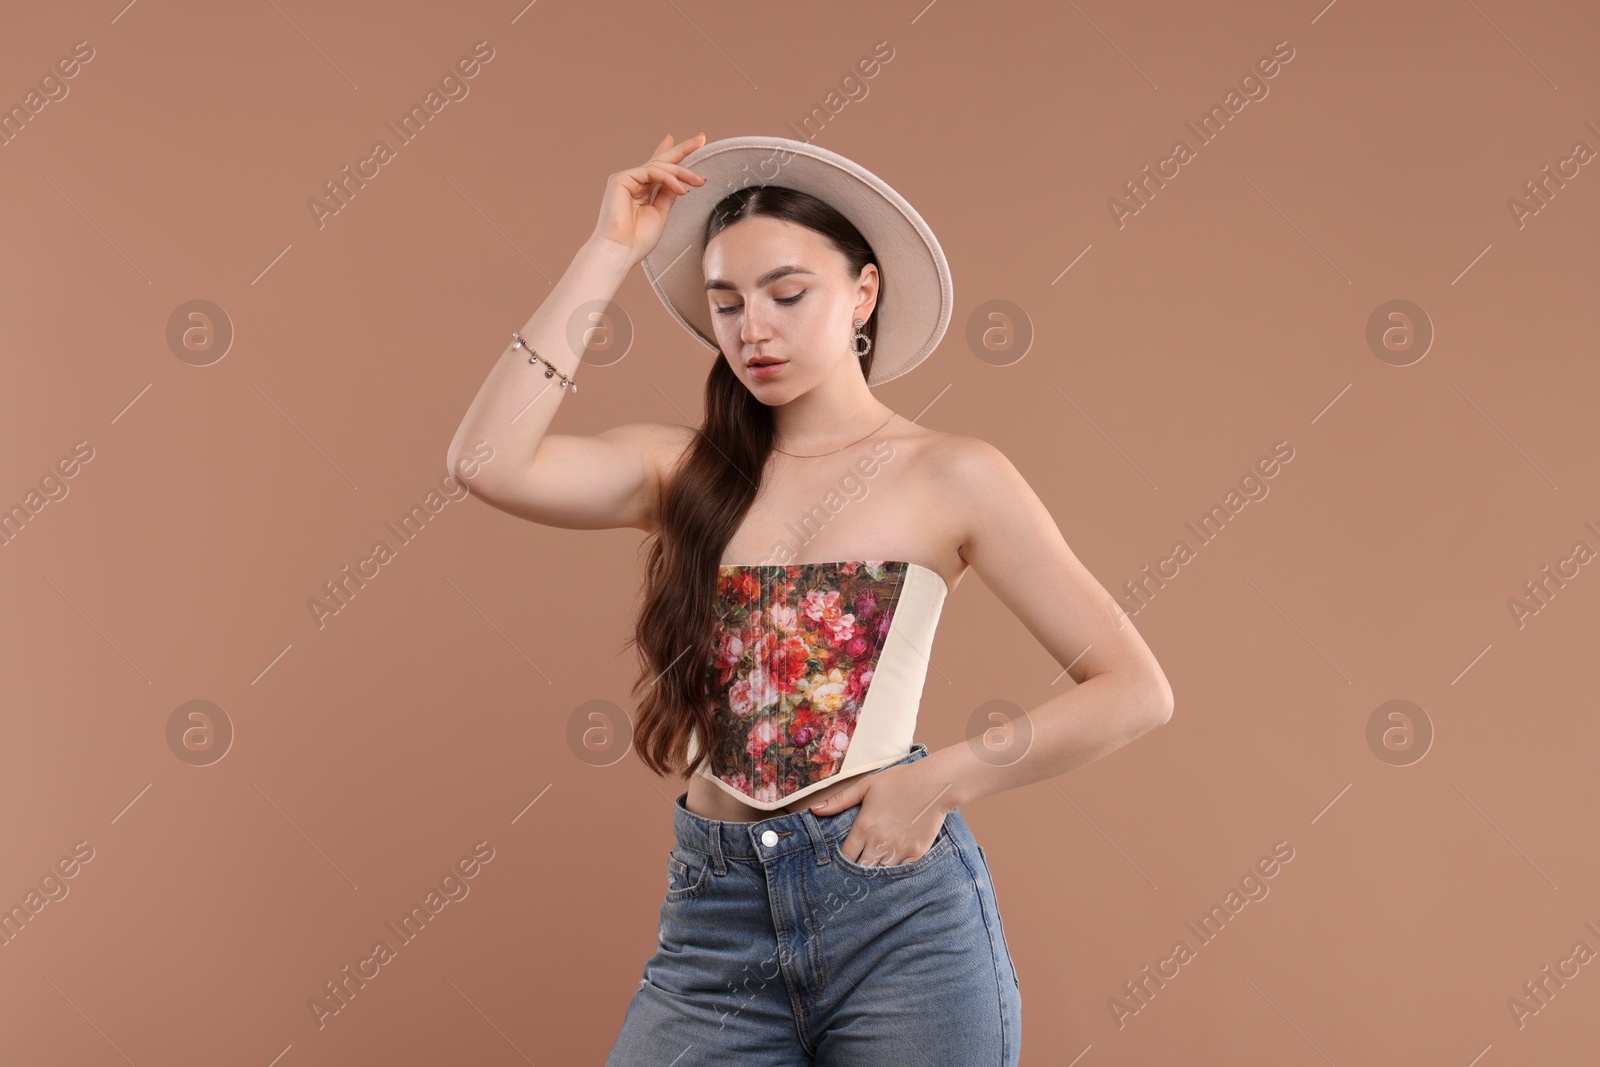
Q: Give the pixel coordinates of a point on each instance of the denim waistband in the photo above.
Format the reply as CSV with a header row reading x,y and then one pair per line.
x,y
764,838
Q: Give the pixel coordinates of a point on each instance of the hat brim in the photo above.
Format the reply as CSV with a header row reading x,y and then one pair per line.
x,y
918,293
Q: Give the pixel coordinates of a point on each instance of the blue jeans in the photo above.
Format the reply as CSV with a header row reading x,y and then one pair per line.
x,y
775,950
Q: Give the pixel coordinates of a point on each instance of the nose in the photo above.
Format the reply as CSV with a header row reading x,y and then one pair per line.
x,y
752,324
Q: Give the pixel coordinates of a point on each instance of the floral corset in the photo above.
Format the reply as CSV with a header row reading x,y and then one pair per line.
x,y
818,672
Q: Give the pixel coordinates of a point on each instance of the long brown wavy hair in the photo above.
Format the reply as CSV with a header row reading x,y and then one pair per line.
x,y
703,501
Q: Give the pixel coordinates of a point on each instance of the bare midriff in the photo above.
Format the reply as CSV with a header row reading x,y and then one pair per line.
x,y
710,801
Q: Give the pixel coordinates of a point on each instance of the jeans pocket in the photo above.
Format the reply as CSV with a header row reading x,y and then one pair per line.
x,y
942,845
688,872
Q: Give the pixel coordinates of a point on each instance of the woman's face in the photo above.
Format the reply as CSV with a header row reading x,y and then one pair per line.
x,y
782,292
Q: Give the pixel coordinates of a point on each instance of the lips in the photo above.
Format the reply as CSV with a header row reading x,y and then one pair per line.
x,y
754,363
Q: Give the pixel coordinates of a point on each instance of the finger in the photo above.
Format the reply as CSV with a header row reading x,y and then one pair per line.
x,y
855,854
645,174
856,845
839,800
668,174
875,856
642,178
682,173
683,148
663,148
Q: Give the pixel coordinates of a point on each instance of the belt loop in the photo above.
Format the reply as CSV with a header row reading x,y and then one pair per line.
x,y
819,840
715,833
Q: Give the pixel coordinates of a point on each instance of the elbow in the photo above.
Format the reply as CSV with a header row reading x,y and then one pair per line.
x,y
453,455
1159,698
454,467
468,466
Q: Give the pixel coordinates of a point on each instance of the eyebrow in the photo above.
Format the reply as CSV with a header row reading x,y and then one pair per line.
x,y
766,279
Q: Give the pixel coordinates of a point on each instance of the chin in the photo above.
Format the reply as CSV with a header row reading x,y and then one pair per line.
x,y
775,394
772,392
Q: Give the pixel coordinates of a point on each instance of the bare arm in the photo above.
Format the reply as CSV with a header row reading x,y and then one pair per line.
x,y
555,479
503,449
1018,551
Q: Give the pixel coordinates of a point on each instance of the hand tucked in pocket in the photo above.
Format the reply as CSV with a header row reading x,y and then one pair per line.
x,y
902,809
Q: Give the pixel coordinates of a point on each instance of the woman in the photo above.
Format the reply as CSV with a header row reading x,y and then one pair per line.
x,y
826,902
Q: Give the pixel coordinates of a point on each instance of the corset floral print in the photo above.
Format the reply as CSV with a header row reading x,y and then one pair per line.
x,y
796,647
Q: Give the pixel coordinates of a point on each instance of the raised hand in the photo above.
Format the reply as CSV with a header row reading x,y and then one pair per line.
x,y
634,208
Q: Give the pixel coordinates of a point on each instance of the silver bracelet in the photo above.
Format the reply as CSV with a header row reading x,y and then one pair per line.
x,y
534,357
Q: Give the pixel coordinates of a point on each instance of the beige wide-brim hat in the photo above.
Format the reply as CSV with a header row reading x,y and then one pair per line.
x,y
917,296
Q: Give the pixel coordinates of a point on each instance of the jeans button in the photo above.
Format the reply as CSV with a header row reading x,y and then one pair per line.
x,y
769,838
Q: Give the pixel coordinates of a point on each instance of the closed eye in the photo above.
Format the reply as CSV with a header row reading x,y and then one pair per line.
x,y
786,300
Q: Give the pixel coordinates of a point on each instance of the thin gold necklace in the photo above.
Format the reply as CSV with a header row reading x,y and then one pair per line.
x,y
841,448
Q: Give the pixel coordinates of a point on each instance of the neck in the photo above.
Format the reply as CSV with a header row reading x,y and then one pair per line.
x,y
839,410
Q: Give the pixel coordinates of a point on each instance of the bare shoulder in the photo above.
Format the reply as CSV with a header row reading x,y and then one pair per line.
x,y
966,465
980,487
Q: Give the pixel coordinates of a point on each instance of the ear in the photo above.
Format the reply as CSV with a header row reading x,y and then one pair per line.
x,y
838,801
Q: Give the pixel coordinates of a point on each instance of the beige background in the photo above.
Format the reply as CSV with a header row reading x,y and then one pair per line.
x,y
370,753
